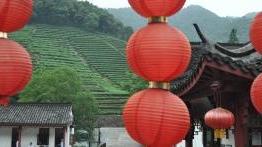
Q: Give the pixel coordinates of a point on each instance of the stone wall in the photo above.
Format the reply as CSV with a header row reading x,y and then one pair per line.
x,y
117,137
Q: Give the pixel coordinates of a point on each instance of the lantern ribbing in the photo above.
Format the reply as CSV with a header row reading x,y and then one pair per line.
x,y
14,14
15,69
256,93
219,119
255,33
256,40
15,62
157,53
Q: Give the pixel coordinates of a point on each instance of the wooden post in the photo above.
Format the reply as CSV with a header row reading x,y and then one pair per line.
x,y
204,136
190,135
218,142
189,142
241,130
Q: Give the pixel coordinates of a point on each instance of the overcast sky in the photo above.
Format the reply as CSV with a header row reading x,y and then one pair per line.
x,y
220,7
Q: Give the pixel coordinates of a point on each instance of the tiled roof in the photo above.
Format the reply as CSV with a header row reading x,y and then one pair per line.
x,y
31,114
202,52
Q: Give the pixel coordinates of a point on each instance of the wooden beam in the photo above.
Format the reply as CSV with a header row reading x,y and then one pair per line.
x,y
227,69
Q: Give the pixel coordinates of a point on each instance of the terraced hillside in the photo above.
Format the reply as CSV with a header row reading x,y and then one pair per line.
x,y
98,59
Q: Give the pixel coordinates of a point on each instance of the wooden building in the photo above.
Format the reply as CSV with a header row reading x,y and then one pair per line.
x,y
233,67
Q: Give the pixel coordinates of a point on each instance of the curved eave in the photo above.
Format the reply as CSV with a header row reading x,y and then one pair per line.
x,y
201,59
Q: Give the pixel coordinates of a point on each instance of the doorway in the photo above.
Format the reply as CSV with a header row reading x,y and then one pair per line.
x,y
59,137
15,137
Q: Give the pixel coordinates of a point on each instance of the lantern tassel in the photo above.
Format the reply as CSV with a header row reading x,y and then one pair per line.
x,y
220,133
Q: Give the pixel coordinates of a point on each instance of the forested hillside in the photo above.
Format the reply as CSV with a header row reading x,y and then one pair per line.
x,y
215,27
80,14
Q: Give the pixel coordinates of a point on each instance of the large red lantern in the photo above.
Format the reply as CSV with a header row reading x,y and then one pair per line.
x,y
14,14
219,119
156,118
256,32
154,8
256,93
15,68
158,52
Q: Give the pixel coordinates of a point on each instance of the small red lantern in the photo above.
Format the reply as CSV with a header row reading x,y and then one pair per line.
x,y
219,119
14,14
158,52
256,93
155,8
256,32
156,118
15,68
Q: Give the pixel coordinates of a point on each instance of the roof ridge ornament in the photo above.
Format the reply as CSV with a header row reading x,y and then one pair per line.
x,y
248,49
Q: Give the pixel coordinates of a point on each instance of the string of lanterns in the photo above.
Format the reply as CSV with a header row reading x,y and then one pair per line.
x,y
157,53
15,61
256,40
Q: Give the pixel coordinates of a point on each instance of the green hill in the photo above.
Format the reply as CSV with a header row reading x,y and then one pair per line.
x,y
80,14
99,59
215,27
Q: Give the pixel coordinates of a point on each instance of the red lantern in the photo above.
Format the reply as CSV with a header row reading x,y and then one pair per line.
x,y
156,118
154,8
219,118
14,14
15,68
256,32
158,52
256,93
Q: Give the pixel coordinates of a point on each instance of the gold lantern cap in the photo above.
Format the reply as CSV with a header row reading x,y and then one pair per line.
x,y
3,35
158,19
159,85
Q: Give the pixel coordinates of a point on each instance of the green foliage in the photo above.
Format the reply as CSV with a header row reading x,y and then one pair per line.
x,y
62,85
58,85
98,59
80,14
85,109
233,37
134,83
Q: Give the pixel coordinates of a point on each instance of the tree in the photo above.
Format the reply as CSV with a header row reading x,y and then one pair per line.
x,y
57,85
63,85
85,110
233,36
80,14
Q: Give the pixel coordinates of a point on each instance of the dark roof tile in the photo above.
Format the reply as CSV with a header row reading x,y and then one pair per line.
x,y
47,114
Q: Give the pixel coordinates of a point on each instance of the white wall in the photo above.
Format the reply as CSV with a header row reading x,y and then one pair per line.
x,y
67,137
230,140
117,137
29,134
51,137
5,136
